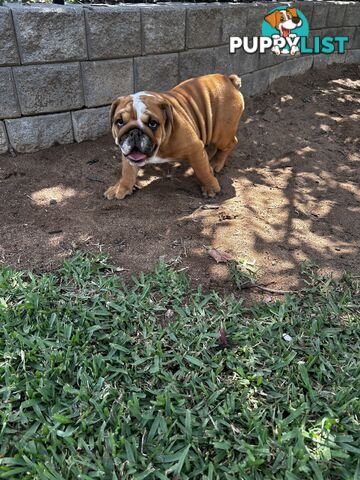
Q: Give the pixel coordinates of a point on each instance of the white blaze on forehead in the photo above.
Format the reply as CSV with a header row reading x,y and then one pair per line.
x,y
139,105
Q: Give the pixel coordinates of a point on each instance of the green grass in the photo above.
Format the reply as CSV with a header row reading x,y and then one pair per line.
x,y
103,380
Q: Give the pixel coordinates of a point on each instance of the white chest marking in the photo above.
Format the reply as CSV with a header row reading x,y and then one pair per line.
x,y
139,105
156,159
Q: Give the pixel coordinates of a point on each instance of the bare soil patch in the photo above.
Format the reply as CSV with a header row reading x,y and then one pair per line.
x,y
290,192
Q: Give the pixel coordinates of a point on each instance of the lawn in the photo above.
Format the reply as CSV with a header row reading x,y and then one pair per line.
x,y
157,380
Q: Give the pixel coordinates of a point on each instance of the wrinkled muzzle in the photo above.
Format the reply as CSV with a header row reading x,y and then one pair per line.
x,y
136,145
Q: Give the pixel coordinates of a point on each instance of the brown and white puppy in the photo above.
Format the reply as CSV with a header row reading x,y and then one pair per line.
x,y
284,21
177,125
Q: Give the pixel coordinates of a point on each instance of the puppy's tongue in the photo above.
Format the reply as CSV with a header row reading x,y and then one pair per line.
x,y
137,156
285,32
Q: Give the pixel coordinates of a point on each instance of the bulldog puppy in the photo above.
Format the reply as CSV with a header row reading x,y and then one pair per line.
x,y
177,125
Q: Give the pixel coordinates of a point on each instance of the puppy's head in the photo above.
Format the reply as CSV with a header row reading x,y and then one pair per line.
x,y
140,124
284,20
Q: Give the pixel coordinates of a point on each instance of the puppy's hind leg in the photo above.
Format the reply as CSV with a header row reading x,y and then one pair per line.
x,y
211,151
222,154
199,161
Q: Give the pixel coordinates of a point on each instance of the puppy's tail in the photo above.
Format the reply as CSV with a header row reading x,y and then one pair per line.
x,y
235,80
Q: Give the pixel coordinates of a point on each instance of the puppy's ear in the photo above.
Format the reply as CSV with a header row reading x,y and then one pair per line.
x,y
272,18
169,118
292,11
114,105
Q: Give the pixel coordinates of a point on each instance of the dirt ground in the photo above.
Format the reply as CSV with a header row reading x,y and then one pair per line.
x,y
290,192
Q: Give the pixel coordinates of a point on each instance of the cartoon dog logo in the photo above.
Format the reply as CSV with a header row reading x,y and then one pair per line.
x,y
284,21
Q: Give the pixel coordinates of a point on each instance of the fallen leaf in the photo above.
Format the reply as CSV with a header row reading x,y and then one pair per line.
x,y
218,256
223,341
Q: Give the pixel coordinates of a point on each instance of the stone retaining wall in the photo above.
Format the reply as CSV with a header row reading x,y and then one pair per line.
x,y
61,66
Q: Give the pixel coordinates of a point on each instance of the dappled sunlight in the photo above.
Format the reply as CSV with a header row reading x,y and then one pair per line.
x,y
345,84
355,116
55,240
325,128
337,119
301,204
305,150
57,194
286,98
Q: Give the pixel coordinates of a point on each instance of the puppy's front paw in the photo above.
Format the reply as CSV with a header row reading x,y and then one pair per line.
x,y
117,191
211,190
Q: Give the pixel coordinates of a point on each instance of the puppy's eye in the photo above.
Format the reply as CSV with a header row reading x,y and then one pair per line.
x,y
120,122
152,124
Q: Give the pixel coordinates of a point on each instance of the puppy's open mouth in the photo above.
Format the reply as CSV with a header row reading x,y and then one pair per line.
x,y
136,156
285,32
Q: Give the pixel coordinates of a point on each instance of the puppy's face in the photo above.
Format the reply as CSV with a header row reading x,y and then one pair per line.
x,y
284,20
140,123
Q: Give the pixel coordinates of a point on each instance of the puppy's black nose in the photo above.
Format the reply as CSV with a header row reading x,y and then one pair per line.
x,y
296,19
